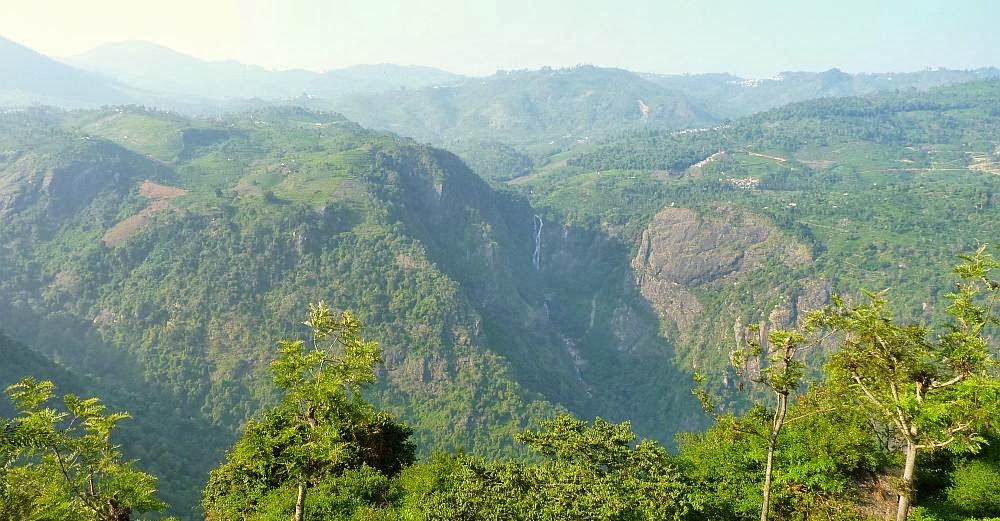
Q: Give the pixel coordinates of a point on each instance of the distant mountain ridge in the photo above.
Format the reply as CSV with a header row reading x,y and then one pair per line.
x,y
30,78
163,71
732,96
414,100
578,103
502,125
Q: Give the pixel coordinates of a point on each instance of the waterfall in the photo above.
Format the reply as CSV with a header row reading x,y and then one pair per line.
x,y
536,258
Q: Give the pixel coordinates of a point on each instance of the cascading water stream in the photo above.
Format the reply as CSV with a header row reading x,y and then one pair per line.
x,y
536,257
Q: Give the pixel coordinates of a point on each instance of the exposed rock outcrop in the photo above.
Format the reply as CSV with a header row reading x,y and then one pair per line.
x,y
681,250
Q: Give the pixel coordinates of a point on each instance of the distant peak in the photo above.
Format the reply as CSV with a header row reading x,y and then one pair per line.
x,y
136,47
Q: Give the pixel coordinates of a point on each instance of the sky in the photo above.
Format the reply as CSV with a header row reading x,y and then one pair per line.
x,y
477,37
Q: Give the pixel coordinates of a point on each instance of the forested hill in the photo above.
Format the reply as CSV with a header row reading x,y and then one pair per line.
x,y
164,256
959,120
730,96
508,123
556,108
765,217
568,104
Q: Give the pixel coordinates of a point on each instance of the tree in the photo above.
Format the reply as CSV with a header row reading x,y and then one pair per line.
x,y
322,428
782,374
62,464
935,391
588,472
822,451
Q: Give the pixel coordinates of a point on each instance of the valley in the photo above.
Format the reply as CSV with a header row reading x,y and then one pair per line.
x,y
522,246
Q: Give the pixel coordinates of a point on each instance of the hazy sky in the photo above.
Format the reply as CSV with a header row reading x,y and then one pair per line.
x,y
749,38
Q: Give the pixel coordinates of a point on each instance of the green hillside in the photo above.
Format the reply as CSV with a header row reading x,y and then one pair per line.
x,y
730,96
498,121
160,257
169,267
875,192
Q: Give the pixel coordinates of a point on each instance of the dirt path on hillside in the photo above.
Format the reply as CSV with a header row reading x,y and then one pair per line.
x,y
776,158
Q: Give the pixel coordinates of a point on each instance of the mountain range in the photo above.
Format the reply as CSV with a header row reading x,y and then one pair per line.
x,y
170,74
537,110
29,78
600,238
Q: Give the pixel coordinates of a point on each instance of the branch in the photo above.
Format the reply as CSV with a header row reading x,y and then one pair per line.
x,y
899,411
948,383
993,303
951,437
736,428
936,444
874,400
69,481
958,428
808,414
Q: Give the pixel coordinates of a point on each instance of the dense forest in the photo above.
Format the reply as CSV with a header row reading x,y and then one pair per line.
x,y
893,395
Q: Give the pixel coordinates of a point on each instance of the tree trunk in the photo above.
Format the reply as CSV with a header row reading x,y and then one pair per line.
x,y
772,441
907,486
300,503
114,512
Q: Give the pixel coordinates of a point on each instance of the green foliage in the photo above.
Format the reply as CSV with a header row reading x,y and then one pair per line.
x,y
974,488
823,451
940,393
321,430
780,370
63,465
936,393
591,472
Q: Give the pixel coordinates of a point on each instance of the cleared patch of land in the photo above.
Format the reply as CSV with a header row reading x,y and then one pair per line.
x,y
983,163
159,197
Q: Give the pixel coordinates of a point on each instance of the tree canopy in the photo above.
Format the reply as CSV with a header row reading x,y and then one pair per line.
x,y
60,464
322,429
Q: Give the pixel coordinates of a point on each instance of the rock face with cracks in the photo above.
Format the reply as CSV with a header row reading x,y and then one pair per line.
x,y
682,250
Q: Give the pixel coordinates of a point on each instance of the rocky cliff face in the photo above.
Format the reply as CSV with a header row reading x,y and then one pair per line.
x,y
69,177
686,258
681,250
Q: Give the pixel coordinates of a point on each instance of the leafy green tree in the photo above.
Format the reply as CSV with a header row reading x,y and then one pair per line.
x,y
589,472
62,464
322,428
782,374
822,452
938,392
